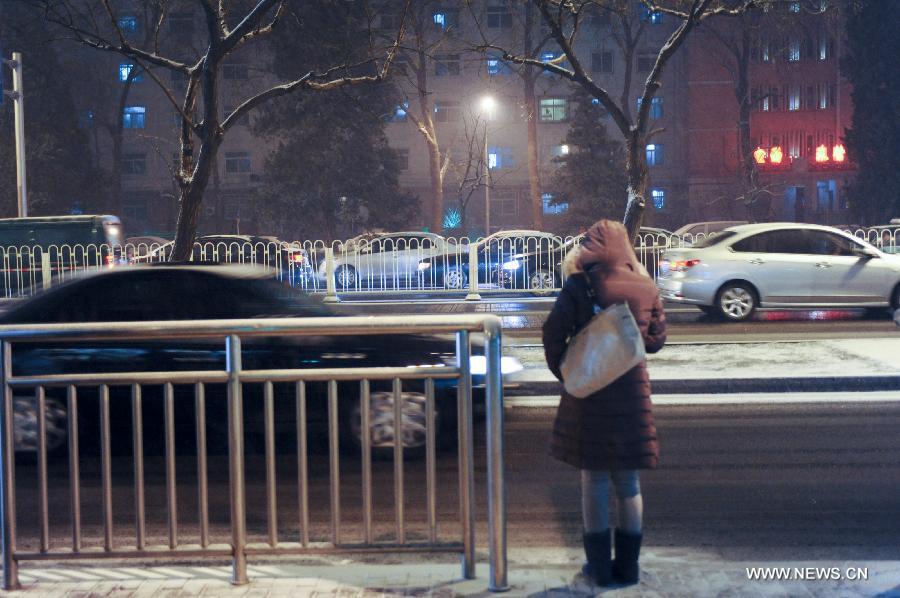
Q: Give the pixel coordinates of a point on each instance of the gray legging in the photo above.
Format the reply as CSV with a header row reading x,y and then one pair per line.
x,y
595,499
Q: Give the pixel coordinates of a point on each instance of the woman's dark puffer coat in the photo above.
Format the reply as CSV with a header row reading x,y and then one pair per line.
x,y
612,428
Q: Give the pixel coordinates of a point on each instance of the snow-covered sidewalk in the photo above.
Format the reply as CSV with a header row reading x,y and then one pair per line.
x,y
764,360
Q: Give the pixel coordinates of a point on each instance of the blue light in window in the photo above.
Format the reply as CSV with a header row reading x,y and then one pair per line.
x,y
452,218
548,56
400,112
493,66
659,198
440,19
493,159
133,117
550,208
128,25
595,101
125,70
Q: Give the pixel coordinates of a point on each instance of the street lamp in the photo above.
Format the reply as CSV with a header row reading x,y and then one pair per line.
x,y
487,106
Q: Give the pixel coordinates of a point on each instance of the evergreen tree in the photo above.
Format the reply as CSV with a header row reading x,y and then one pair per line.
x,y
332,174
61,174
873,141
590,178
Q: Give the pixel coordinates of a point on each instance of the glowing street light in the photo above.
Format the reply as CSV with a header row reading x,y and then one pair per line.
x,y
487,104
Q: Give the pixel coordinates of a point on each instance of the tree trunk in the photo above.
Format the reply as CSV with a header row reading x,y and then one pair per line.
x,y
534,174
747,163
437,187
638,182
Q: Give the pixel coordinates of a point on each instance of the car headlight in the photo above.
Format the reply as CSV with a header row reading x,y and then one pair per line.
x,y
511,265
508,365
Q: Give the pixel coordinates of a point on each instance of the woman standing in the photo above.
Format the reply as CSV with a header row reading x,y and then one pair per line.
x,y
608,435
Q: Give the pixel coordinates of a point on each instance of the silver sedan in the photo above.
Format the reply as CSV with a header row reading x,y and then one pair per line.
x,y
779,265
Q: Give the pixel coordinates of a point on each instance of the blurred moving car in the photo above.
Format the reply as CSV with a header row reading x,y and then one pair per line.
x,y
135,246
183,292
290,261
498,262
742,268
383,260
702,229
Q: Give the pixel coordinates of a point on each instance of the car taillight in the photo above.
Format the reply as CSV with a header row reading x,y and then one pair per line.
x,y
297,258
683,265
110,261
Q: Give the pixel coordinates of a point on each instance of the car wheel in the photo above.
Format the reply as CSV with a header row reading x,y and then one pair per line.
x,y
736,302
455,278
382,434
345,277
542,282
25,426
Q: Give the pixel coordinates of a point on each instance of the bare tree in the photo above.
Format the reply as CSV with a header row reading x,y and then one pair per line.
x,y
421,56
565,19
228,27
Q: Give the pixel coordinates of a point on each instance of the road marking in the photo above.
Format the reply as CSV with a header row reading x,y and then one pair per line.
x,y
761,398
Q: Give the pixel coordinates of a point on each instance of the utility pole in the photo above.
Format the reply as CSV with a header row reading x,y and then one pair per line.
x,y
18,97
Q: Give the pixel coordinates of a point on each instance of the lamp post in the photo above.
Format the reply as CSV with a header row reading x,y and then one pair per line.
x,y
487,106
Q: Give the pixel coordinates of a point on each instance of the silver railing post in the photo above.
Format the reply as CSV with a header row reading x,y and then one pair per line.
x,y
46,274
236,460
466,450
7,475
473,273
330,293
496,483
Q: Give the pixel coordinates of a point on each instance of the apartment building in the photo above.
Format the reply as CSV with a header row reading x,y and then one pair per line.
x,y
803,106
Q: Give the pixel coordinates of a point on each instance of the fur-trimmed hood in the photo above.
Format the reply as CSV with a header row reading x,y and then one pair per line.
x,y
570,264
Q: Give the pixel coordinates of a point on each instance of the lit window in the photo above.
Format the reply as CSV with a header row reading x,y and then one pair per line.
x,y
651,16
237,162
553,208
659,198
235,71
447,64
549,56
794,50
495,66
134,117
125,70
134,164
794,7
794,98
499,17
500,157
128,25
440,20
553,110
399,114
656,107
445,19
558,151
654,154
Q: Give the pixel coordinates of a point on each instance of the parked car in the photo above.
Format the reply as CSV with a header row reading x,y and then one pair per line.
x,y
290,261
698,230
788,265
383,260
142,245
190,292
498,263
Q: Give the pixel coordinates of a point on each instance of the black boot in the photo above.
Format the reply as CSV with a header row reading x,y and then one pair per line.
x,y
628,548
597,550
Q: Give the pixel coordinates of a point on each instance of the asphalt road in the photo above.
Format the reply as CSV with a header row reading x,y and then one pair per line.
x,y
752,481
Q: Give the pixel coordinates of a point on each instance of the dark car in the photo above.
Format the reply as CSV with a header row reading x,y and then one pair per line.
x,y
290,261
192,292
496,261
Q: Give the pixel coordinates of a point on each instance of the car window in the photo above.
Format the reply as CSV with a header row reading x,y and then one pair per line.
x,y
825,243
715,239
776,241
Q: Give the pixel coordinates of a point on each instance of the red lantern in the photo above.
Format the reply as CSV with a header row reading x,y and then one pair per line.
x,y
776,155
839,153
822,153
760,155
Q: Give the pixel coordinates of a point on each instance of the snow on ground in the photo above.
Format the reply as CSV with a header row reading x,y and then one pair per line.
x,y
806,359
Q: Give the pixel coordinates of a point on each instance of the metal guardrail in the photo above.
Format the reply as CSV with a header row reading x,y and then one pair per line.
x,y
234,377
525,261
